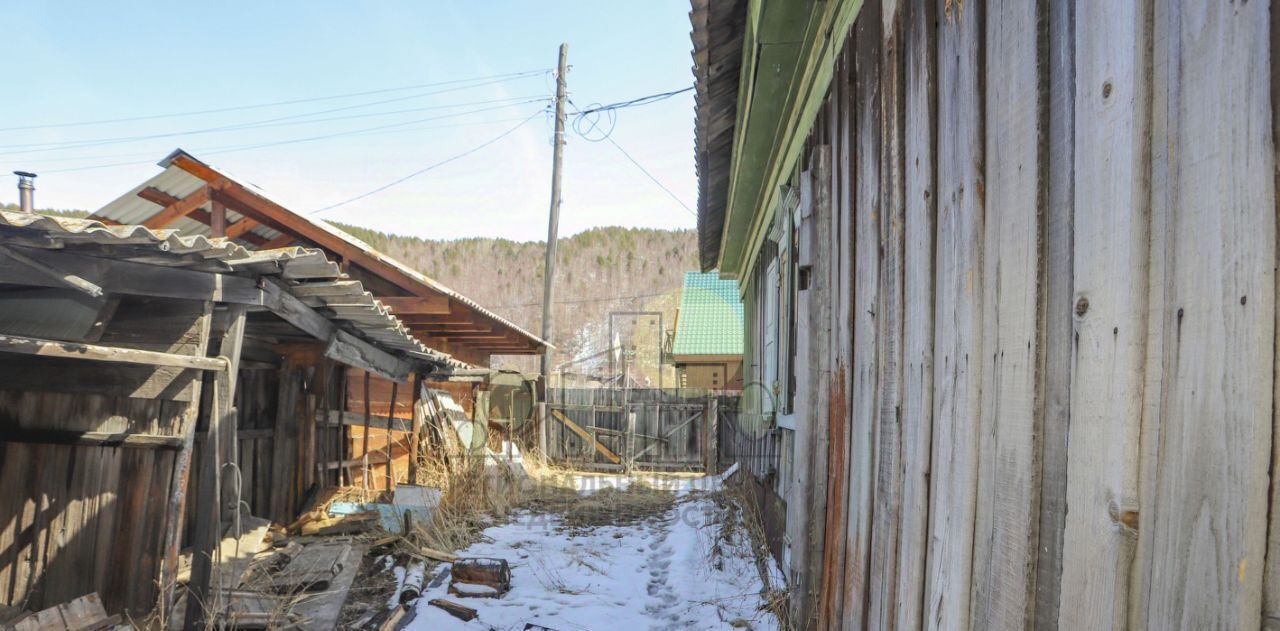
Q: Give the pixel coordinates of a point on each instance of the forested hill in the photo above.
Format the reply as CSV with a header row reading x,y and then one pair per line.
x,y
599,270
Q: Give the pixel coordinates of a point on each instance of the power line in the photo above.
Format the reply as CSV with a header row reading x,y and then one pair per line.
x,y
651,177
259,124
431,166
401,126
643,100
582,301
237,108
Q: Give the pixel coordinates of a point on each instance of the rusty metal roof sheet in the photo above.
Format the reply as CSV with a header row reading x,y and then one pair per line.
x,y
304,272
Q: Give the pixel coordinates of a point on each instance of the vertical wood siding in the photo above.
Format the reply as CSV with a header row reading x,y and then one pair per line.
x,y
1037,352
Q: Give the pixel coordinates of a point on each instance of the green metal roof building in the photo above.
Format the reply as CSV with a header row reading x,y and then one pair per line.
x,y
707,348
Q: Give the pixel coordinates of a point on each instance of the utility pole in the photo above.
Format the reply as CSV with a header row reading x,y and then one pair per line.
x,y
553,227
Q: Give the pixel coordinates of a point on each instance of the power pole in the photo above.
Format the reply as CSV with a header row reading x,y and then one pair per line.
x,y
553,227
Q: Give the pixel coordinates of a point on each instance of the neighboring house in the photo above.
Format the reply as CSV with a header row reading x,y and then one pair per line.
x,y
707,348
1022,257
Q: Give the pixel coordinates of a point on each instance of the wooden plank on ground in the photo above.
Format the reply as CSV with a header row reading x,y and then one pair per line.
x,y
1005,533
584,435
958,341
1112,197
1205,511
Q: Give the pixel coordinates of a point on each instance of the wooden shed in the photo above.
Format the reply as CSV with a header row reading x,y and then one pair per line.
x,y
1027,373
194,198
155,385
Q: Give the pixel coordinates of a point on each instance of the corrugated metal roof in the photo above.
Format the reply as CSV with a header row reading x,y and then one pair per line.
x,y
306,273
132,209
710,318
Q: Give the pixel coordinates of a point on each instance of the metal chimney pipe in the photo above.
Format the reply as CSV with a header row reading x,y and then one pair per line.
x,y
26,191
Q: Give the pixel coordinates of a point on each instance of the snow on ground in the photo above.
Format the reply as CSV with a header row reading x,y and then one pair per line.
x,y
672,571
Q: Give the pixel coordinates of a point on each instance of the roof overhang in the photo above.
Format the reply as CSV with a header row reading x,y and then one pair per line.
x,y
787,60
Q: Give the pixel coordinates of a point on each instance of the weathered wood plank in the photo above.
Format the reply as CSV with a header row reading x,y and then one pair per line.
x,y
1208,496
890,218
958,330
1057,356
864,215
1006,529
1111,210
920,149
74,350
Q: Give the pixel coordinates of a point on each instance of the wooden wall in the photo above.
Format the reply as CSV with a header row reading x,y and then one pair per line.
x,y
1040,330
79,518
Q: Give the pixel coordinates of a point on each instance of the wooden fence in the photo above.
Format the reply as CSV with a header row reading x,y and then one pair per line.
x,y
643,428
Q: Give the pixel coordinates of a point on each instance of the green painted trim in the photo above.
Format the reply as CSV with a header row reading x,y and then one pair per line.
x,y
768,143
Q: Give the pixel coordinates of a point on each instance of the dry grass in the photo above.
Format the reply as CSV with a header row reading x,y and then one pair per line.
x,y
743,512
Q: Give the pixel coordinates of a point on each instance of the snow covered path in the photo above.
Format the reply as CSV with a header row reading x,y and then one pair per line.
x,y
680,570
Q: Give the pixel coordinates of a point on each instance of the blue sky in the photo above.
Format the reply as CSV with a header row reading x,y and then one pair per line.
x,y
90,61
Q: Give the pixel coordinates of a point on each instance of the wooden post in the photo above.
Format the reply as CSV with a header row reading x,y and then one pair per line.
x,y
212,505
711,446
177,500
217,219
364,453
232,341
415,445
391,413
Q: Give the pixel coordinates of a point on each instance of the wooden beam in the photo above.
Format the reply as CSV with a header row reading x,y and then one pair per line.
x,y
139,279
51,348
437,304
582,433
238,230
178,209
53,273
337,418
93,439
218,219
283,240
352,351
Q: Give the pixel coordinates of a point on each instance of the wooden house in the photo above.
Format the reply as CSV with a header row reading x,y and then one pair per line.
x,y
707,346
155,387
1026,273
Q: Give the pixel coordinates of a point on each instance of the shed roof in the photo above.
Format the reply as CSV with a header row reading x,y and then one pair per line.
x,y
710,321
184,175
305,273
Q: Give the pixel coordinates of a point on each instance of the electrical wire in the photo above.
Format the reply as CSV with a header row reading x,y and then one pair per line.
x,y
596,117
651,177
395,127
259,124
581,301
237,108
430,166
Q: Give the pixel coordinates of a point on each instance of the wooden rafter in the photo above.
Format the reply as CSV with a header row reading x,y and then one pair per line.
x,y
238,230
178,209
437,304
261,209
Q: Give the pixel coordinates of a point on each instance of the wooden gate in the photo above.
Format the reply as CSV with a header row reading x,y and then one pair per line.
x,y
634,428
